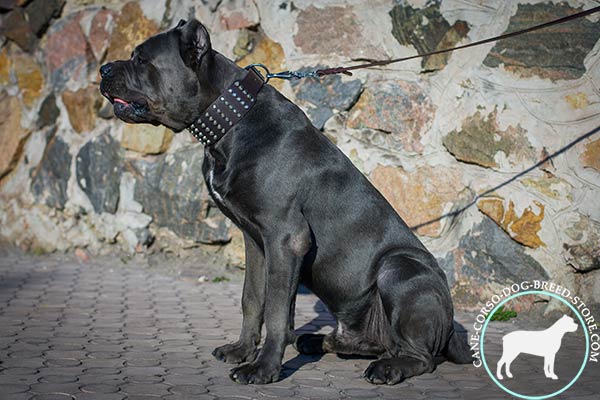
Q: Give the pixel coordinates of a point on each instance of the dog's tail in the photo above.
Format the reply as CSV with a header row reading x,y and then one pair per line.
x,y
457,350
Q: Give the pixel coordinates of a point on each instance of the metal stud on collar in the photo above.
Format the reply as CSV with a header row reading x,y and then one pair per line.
x,y
228,109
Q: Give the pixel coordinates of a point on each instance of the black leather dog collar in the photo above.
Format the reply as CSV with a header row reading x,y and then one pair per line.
x,y
228,109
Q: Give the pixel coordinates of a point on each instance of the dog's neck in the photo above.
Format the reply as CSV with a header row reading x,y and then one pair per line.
x,y
229,92
215,75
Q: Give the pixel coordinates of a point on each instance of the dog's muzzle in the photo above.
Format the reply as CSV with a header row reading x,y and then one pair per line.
x,y
130,108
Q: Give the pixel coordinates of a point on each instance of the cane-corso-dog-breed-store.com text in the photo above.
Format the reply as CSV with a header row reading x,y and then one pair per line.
x,y
307,214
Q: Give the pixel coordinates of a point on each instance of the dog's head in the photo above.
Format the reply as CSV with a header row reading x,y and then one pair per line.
x,y
164,81
568,324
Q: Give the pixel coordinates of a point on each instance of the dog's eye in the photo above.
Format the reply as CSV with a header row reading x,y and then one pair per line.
x,y
137,59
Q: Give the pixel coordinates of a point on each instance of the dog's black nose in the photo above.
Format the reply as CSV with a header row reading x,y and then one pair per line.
x,y
105,69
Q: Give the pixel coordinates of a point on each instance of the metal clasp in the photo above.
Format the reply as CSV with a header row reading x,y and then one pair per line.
x,y
284,74
295,74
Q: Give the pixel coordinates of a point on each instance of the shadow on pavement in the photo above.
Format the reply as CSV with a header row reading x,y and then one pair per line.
x,y
323,319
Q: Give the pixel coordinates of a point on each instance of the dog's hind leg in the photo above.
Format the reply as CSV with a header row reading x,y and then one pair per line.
x,y
418,308
345,343
394,370
364,338
310,343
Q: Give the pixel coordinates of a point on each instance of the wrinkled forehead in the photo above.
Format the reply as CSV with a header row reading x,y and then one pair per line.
x,y
163,44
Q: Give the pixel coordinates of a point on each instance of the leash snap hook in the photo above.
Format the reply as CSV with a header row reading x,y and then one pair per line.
x,y
283,75
287,75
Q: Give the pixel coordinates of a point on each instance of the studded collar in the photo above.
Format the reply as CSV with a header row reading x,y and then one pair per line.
x,y
228,109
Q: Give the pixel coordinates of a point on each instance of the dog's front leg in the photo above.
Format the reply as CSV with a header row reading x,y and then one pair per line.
x,y
284,253
253,303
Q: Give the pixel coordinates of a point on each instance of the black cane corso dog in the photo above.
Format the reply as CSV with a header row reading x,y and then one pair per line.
x,y
307,215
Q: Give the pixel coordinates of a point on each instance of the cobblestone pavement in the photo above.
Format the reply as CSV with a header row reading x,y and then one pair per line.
x,y
112,331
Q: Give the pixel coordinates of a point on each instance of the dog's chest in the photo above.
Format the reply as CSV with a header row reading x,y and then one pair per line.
x,y
209,170
210,183
215,176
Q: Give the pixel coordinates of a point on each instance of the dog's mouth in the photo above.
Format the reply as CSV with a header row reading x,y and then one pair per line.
x,y
130,109
139,107
120,101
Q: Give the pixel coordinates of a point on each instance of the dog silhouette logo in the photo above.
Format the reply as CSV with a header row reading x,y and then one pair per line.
x,y
544,343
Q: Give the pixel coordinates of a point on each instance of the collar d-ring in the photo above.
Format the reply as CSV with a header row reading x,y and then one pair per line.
x,y
264,77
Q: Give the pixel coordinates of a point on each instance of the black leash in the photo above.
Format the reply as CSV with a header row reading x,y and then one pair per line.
x,y
515,177
346,70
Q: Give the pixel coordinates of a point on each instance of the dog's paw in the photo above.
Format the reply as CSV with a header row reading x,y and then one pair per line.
x,y
309,343
258,373
383,372
235,353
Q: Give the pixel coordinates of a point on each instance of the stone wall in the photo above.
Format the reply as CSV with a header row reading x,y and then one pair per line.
x,y
429,133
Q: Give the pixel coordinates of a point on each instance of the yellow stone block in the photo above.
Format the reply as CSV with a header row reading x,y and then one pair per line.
x,y
146,139
29,77
591,155
4,67
524,228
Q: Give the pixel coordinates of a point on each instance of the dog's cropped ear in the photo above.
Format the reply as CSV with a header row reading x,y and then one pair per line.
x,y
181,23
194,42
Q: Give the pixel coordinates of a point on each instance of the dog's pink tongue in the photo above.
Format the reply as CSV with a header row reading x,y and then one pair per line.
x,y
117,100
